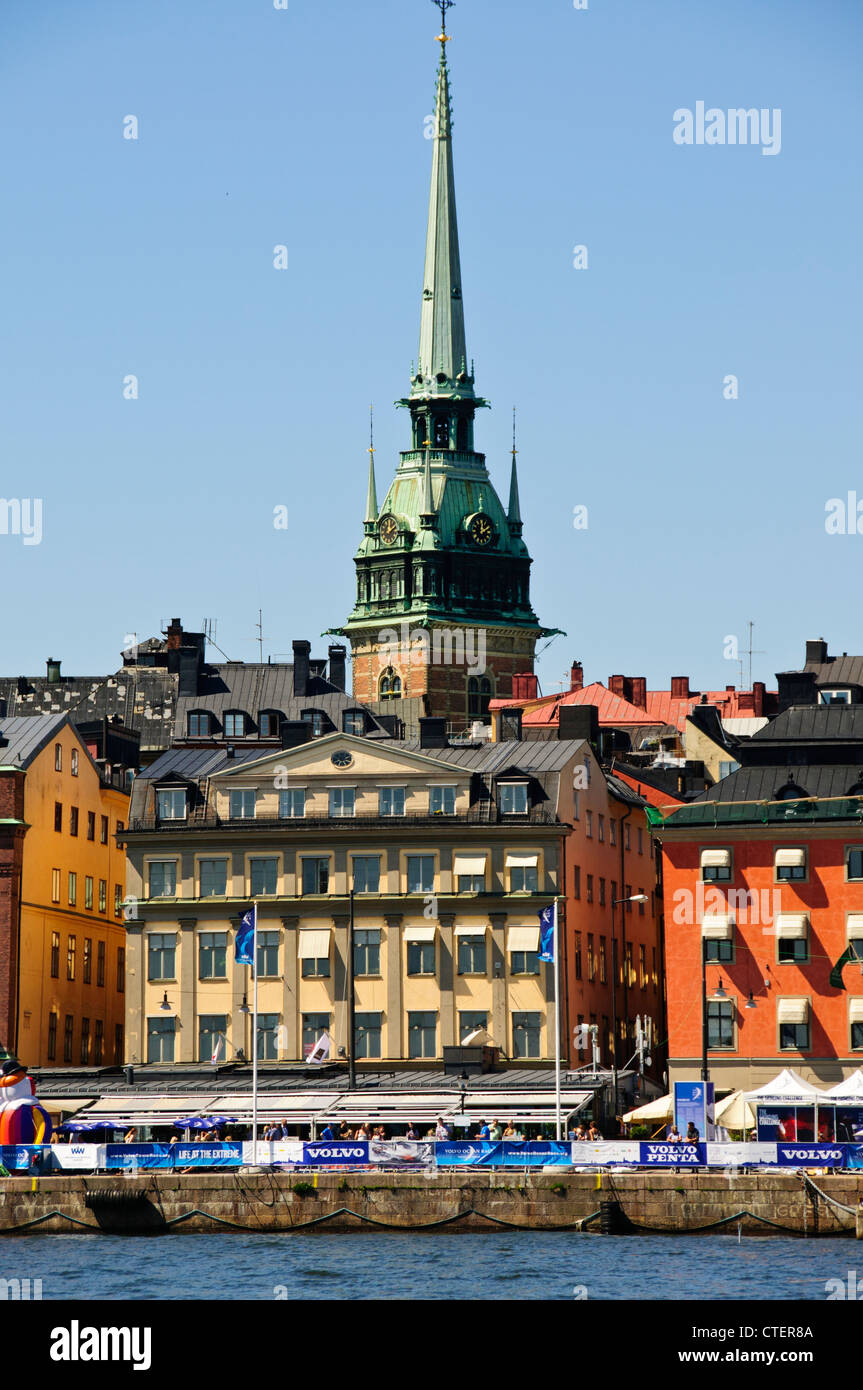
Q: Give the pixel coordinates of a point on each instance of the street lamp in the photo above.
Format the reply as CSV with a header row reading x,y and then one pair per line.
x,y
633,898
165,1006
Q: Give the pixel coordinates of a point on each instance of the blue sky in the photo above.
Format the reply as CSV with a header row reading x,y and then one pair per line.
x,y
304,127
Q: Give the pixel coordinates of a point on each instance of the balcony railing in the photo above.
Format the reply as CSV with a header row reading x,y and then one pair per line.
x,y
483,813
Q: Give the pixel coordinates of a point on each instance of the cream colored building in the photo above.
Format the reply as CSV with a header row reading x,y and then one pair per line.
x,y
451,853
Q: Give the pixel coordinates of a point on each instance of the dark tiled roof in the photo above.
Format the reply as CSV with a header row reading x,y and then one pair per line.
x,y
840,670
27,736
814,723
142,696
253,688
530,755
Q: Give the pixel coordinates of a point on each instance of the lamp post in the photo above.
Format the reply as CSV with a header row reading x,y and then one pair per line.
x,y
633,898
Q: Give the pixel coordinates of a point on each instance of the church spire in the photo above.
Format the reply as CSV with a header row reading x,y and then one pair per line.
x,y
443,352
514,511
372,496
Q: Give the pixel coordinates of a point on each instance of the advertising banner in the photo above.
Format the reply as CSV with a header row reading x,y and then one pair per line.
x,y
78,1156
672,1155
810,1155
537,1153
693,1104
132,1156
402,1153
622,1151
285,1152
207,1155
19,1158
469,1154
854,1156
332,1152
740,1155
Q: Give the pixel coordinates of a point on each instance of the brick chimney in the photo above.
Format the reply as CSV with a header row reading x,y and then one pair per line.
x,y
337,656
525,686
639,691
576,676
759,693
616,685
301,667
174,635
680,687
816,652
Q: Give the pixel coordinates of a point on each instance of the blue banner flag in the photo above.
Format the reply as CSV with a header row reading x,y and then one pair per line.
x,y
244,946
546,933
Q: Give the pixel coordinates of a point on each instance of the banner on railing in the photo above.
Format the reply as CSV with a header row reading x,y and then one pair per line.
x,y
484,1153
739,1155
810,1155
854,1156
586,1153
287,1153
402,1153
77,1157
207,1155
672,1155
333,1153
128,1157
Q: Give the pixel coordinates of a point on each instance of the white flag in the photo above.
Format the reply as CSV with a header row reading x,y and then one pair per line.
x,y
217,1050
321,1049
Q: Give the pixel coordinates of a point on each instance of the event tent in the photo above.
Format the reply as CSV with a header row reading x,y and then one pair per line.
x,y
851,1089
786,1089
734,1113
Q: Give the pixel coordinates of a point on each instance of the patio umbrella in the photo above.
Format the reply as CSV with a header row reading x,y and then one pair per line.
x,y
734,1113
659,1109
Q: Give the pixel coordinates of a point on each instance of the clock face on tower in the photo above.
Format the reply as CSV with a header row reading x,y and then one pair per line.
x,y
481,530
388,530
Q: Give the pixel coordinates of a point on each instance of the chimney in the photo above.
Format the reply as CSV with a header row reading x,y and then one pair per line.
x,y
294,732
759,694
301,667
317,668
680,687
639,691
510,724
578,722
53,671
433,733
576,676
816,652
174,635
525,686
337,655
615,685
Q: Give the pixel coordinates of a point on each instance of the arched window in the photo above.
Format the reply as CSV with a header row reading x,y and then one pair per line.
x,y
461,435
390,686
479,693
441,432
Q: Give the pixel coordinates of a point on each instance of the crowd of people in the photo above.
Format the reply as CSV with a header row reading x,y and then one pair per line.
x,y
443,1131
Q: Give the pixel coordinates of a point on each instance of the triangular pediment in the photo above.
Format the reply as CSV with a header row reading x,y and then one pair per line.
x,y
369,757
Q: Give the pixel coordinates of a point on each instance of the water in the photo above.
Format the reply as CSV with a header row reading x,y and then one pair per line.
x,y
528,1265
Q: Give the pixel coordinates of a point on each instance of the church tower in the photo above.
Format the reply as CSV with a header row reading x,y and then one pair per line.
x,y
443,615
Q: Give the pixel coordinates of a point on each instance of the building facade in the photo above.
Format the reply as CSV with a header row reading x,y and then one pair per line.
x,y
62,889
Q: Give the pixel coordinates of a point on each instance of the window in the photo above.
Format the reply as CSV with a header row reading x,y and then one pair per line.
x,y
263,877
118,900
590,888
268,1037
103,830
588,824
119,827
575,805
472,955
171,805
420,869
641,908
73,820
856,1036
626,835
513,798
603,967
88,893
576,882
834,697
68,1031
52,1033
316,967
612,830
794,1037
268,723
367,952
161,953
316,719
313,1026
628,965
391,801
591,963
55,955
199,725
421,958
242,804
160,1039
235,725
268,955
854,862
577,961
524,962
602,889
367,873
354,722
58,815
342,801
640,834
654,974
390,685
121,969
316,875
91,825
727,766
470,883
71,956
213,877
163,878
524,879
85,1042
442,801
212,955
790,864
100,965
103,895
55,885
469,1020
600,826
58,757
367,1028
526,1035
87,960
720,1023
642,966
292,803
792,949
211,1037
422,1034
478,696
118,1044
719,950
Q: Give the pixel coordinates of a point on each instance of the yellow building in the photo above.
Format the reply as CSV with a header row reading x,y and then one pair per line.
x,y
62,885
450,853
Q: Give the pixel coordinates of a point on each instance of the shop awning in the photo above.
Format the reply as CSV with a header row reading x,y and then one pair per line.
x,y
717,926
790,858
854,926
478,930
420,932
715,858
787,1088
855,1010
469,864
522,861
314,943
792,926
522,938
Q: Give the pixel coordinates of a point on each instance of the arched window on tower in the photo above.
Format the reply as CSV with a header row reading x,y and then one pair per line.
x,y
441,432
479,693
390,685
461,436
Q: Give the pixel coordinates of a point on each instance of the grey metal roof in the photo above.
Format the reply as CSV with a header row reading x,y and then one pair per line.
x,y
531,755
27,736
839,670
763,783
142,696
253,688
814,723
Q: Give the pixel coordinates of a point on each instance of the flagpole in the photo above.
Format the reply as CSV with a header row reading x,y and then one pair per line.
x,y
556,1023
255,1031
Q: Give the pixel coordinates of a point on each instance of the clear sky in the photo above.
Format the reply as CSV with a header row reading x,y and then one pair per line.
x,y
304,127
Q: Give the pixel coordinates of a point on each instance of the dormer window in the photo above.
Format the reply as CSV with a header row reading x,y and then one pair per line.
x,y
235,725
171,803
199,724
314,717
268,723
512,799
353,722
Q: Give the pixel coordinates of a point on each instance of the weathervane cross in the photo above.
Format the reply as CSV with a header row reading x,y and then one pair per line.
x,y
443,6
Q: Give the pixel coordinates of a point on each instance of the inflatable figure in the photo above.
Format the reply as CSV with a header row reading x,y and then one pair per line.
x,y
22,1119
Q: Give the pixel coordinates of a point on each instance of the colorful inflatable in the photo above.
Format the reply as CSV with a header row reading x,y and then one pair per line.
x,y
22,1119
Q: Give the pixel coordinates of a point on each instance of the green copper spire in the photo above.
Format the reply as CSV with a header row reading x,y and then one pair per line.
x,y
443,353
372,496
514,510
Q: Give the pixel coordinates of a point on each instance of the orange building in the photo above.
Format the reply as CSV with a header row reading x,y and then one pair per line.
x,y
62,885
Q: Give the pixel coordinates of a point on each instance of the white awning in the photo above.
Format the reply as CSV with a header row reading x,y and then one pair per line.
x,y
522,861
792,926
715,858
422,932
469,864
717,927
479,930
854,925
314,943
522,938
790,858
793,1010
855,1010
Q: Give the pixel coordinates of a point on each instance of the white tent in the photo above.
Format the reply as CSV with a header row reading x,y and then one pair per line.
x,y
851,1089
786,1089
734,1113
659,1109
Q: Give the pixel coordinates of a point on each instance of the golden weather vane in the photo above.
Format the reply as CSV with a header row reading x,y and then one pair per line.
x,y
443,6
